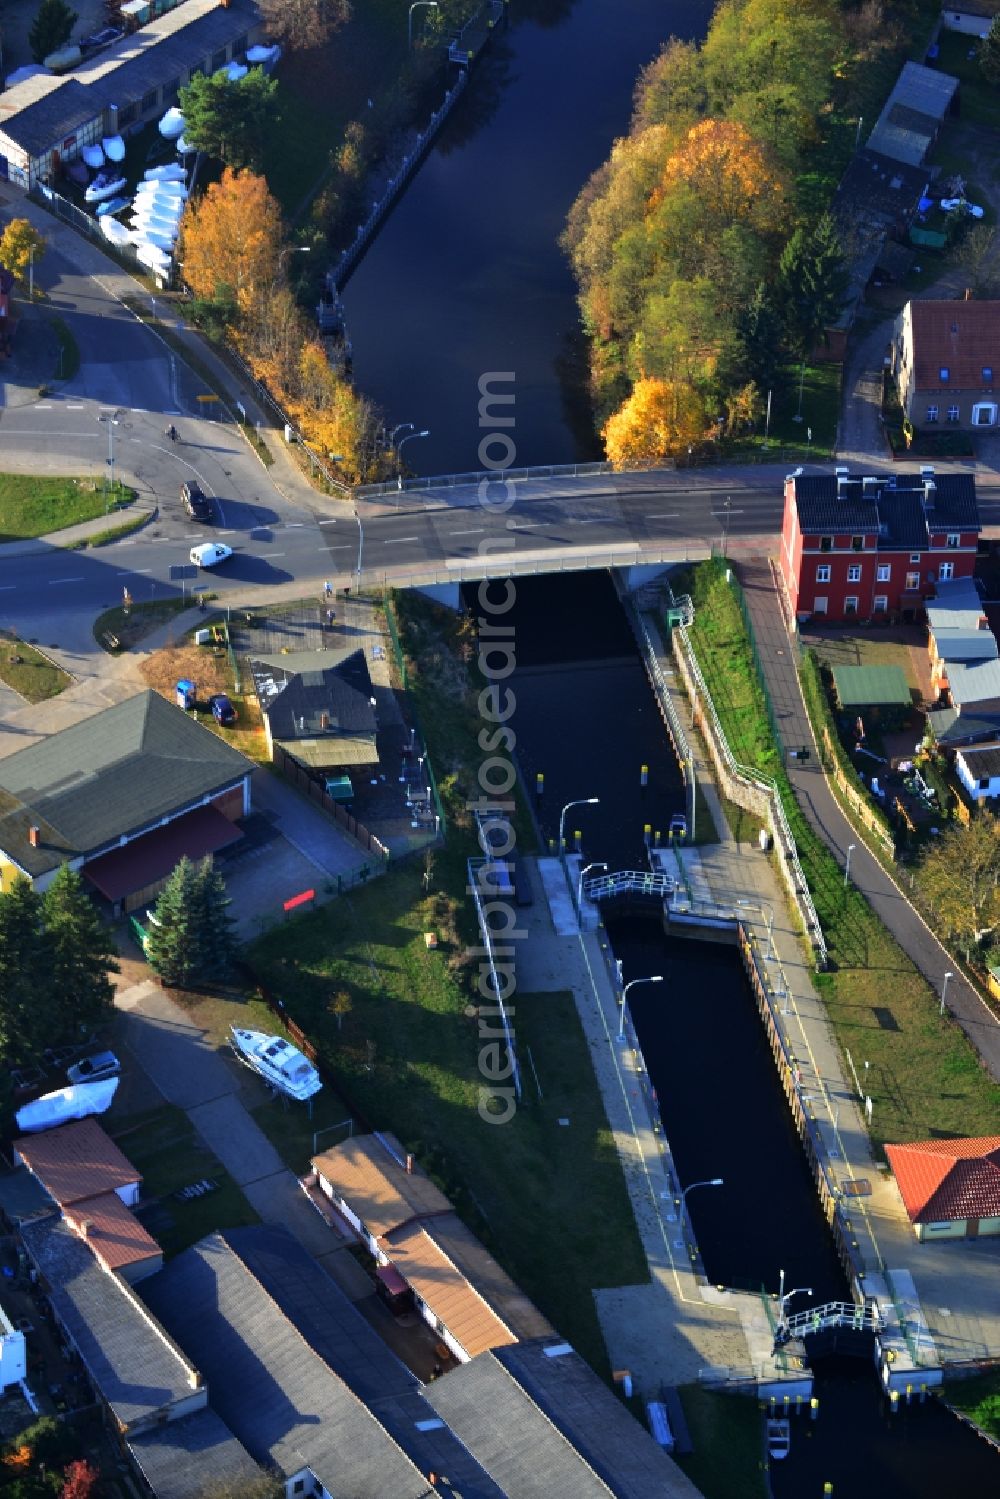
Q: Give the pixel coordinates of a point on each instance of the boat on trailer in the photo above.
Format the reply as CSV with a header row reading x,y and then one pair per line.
x,y
74,1102
277,1061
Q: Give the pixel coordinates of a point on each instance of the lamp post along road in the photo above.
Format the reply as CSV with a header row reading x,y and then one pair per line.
x,y
944,988
847,864
399,452
430,4
586,801
656,978
579,888
784,1297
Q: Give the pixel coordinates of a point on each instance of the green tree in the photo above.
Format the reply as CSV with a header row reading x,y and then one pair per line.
x,y
960,876
191,938
339,1006
80,952
229,119
989,52
25,984
812,283
51,27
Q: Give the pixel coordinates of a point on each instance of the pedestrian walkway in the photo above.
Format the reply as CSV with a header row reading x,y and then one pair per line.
x,y
187,1070
778,654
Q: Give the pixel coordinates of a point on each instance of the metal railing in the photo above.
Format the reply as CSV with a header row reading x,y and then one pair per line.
x,y
481,475
665,699
477,885
534,563
628,882
859,1316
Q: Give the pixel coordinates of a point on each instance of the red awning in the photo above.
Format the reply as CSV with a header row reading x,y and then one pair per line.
x,y
392,1280
154,855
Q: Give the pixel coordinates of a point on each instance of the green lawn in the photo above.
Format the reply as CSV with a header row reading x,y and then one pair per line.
x,y
727,1461
32,506
820,410
980,102
925,1078
141,620
979,1399
165,1147
30,673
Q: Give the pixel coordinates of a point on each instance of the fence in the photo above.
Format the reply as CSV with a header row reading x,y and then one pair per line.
x,y
87,224
479,476
753,792
651,652
397,650
304,782
860,807
479,884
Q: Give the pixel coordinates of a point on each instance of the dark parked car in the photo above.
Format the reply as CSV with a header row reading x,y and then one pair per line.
x,y
195,502
98,39
222,709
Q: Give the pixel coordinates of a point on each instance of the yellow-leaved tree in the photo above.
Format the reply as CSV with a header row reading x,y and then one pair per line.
x,y
231,242
660,418
730,173
21,244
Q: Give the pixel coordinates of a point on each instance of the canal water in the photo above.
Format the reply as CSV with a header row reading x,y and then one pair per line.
x,y
586,715
467,275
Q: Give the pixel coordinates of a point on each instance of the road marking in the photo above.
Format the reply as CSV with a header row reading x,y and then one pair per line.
x,y
475,531
142,410
42,408
72,406
392,541
294,525
230,532
594,520
664,515
134,572
326,523
56,582
522,525
277,554
8,588
725,511
347,547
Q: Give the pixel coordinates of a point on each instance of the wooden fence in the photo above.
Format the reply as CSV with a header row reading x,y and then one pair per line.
x,y
316,793
861,808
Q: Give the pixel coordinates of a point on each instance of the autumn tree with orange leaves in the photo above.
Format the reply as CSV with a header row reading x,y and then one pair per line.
x,y
660,418
231,242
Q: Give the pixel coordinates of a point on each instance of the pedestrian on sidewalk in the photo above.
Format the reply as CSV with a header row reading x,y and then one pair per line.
x,y
328,590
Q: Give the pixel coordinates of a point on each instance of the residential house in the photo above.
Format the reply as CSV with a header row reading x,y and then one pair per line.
x,y
950,1188
121,796
972,20
946,361
546,1427
13,1355
301,1378
192,1457
978,769
93,1185
406,1222
874,206
860,547
957,629
319,708
46,120
911,120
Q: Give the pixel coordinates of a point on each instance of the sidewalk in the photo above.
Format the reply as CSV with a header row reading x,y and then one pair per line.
x,y
72,536
778,655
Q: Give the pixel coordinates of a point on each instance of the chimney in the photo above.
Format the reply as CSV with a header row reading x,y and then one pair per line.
x,y
409,1165
324,720
34,835
843,474
927,480
967,296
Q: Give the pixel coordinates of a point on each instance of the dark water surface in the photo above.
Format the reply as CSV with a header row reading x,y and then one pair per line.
x,y
586,714
467,275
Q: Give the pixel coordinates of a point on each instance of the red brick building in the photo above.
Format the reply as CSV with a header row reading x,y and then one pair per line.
x,y
856,547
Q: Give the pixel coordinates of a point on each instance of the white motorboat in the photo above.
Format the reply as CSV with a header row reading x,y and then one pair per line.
x,y
104,185
169,173
114,147
172,124
277,1062
92,155
115,232
75,1102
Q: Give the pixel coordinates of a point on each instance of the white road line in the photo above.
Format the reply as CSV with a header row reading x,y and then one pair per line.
x,y
522,525
8,588
294,525
137,439
71,406
392,541
141,411
721,514
133,572
56,582
42,408
326,523
347,547
595,520
475,531
277,554
230,532
664,515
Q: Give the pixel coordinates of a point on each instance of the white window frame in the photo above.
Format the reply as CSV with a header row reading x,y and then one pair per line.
x,y
912,584
854,572
953,539
914,559
821,604
883,573
823,573
954,413
851,604
946,571
881,603
932,413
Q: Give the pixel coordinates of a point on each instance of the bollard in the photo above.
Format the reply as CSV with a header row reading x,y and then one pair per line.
x,y
828,1488
552,845
894,1400
577,839
813,1408
647,832
644,775
909,1393
656,838
539,785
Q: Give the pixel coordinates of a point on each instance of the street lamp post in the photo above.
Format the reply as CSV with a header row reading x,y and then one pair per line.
x,y
784,1297
361,542
31,273
944,988
432,4
586,801
583,874
759,906
398,428
111,421
715,1181
847,863
656,978
293,250
399,452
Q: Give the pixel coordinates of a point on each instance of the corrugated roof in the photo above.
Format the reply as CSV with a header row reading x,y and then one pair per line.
x,y
945,1180
871,686
128,1357
117,773
981,761
956,605
296,690
920,99
449,1295
114,1234
383,1194
188,1458
978,683
965,645
961,337
76,1161
275,1393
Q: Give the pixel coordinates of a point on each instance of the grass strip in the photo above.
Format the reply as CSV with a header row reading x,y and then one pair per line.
x,y
979,1399
36,505
113,533
548,1199
31,674
924,1076
117,630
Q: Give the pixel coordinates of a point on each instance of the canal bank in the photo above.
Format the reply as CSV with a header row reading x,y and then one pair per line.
x,y
673,1329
